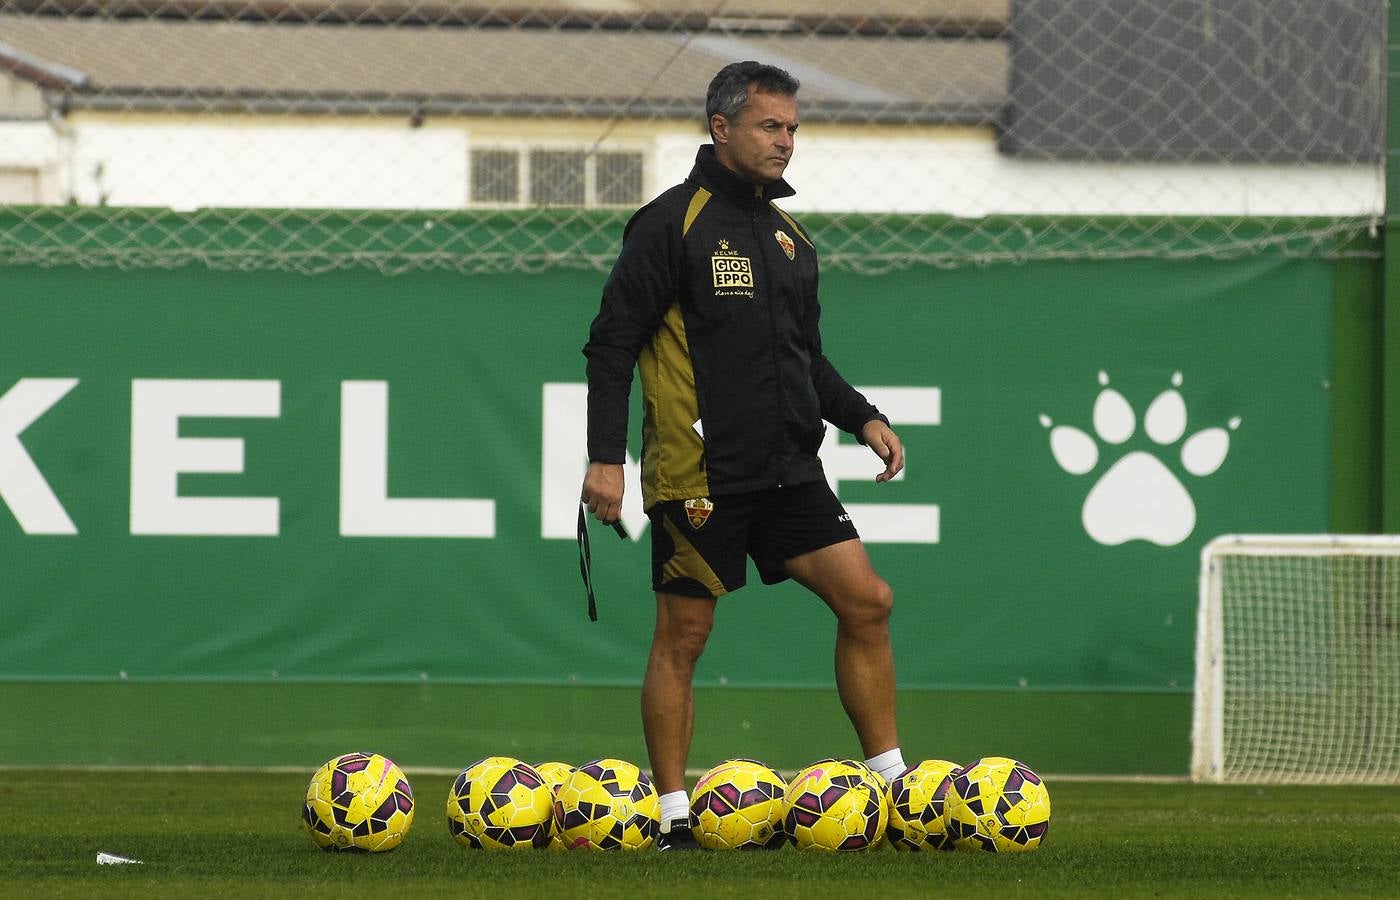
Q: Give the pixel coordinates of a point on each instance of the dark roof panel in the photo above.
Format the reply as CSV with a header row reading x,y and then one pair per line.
x,y
146,63
1197,80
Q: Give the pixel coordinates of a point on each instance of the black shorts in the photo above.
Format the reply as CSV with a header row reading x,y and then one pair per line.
x,y
698,546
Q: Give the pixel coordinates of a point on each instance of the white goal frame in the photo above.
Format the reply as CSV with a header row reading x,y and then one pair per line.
x,y
1335,673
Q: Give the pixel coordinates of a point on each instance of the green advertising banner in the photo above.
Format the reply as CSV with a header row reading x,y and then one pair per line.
x,y
266,476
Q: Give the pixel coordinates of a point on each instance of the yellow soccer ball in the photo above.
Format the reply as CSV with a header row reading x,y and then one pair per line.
x,y
738,805
358,802
836,804
998,805
916,807
500,803
555,774
607,804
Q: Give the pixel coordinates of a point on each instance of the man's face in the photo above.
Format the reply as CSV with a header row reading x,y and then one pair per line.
x,y
758,142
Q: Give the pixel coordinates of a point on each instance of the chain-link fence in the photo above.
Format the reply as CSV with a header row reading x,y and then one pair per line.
x,y
306,135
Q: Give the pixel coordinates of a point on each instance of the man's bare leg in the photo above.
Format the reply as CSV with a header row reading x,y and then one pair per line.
x,y
668,711
842,576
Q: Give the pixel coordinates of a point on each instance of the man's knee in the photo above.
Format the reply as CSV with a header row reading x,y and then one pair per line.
x,y
688,639
870,604
683,632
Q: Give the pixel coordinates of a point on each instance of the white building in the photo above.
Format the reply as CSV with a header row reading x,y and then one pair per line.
x,y
584,103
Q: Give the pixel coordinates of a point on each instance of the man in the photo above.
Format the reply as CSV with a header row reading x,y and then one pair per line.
x,y
714,299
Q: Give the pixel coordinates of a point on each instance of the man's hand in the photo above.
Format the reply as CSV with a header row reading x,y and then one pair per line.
x,y
602,491
886,445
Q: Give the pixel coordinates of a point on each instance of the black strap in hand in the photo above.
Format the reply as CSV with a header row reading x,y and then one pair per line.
x,y
585,559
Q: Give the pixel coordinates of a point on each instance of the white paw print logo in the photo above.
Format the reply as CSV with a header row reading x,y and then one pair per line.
x,y
1138,497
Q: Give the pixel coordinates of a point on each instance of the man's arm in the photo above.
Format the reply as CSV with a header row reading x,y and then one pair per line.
x,y
642,285
877,435
602,491
844,406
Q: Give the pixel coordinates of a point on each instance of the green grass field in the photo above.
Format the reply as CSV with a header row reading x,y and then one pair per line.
x,y
238,834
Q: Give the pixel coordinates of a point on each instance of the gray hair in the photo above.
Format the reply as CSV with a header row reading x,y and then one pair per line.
x,y
728,93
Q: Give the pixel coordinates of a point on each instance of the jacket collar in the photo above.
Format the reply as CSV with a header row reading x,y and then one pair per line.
x,y
710,174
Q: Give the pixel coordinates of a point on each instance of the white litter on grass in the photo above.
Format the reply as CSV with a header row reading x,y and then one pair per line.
x,y
111,859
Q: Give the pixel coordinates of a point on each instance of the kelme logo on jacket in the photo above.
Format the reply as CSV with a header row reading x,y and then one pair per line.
x,y
733,273
786,243
698,511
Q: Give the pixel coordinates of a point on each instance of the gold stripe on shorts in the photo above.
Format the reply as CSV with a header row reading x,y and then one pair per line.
x,y
687,562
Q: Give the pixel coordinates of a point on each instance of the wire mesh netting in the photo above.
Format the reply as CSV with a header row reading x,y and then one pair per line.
x,y
1303,685
306,135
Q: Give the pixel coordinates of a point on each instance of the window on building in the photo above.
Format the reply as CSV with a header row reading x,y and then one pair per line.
x,y
558,178
546,176
495,176
618,179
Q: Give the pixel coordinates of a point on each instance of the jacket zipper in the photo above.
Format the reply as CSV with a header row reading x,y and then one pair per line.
x,y
773,345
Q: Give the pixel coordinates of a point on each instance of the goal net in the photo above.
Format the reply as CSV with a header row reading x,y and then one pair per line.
x,y
480,136
1298,660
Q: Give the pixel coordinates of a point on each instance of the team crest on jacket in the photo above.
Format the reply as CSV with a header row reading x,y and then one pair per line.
x,y
733,273
786,243
698,511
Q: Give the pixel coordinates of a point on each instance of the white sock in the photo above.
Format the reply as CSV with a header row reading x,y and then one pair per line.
x,y
675,805
889,764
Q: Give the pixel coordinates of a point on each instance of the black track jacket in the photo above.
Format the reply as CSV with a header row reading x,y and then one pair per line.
x,y
714,299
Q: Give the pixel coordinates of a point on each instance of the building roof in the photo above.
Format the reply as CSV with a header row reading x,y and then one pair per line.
x,y
870,16
1250,81
857,72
